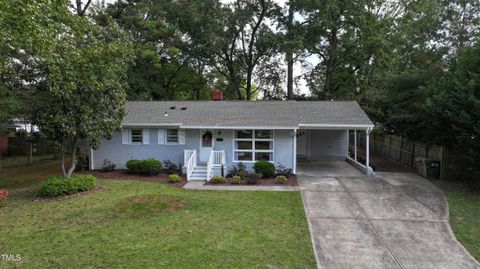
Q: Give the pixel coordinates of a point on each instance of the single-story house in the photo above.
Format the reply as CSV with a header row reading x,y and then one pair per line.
x,y
208,136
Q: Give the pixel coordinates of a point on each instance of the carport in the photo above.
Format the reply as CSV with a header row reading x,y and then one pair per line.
x,y
330,146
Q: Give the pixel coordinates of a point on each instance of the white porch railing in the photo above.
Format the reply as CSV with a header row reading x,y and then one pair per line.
x,y
190,158
210,166
216,159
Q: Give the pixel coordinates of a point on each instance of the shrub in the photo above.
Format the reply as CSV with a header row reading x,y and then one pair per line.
x,y
281,179
236,179
174,178
239,170
265,168
171,167
82,163
218,179
58,185
282,171
252,178
147,167
107,166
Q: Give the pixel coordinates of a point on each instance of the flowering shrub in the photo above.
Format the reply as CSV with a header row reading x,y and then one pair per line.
x,y
3,195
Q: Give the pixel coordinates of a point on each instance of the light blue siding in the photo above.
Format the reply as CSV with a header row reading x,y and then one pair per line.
x,y
328,145
119,153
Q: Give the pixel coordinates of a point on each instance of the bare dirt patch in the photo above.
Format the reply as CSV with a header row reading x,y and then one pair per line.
x,y
124,175
148,205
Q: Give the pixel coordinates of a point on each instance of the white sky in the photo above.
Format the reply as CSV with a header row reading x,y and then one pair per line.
x,y
297,69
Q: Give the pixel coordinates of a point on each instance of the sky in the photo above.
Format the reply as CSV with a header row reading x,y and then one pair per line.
x,y
297,69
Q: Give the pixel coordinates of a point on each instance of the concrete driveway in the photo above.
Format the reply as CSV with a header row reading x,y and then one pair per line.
x,y
391,220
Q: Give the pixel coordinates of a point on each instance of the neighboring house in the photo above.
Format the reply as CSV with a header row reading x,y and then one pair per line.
x,y
207,135
17,124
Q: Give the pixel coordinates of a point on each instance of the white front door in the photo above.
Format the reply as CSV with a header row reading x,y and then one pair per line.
x,y
206,144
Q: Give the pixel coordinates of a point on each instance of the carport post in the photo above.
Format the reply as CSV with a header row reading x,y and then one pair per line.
x,y
294,151
367,149
355,143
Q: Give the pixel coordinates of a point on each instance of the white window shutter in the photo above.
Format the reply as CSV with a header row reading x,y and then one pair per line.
x,y
146,136
125,139
161,136
181,137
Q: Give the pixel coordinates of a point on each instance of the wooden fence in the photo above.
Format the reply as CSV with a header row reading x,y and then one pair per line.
x,y
402,151
18,146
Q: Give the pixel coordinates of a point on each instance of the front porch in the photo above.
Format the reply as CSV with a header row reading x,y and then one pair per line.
x,y
196,170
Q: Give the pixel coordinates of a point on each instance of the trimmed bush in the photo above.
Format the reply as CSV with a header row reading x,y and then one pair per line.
x,y
281,179
174,178
148,167
252,178
265,168
58,185
218,179
236,180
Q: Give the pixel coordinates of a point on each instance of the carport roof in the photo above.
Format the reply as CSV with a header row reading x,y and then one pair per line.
x,y
248,114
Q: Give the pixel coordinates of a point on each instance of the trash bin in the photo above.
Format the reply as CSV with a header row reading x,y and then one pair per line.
x,y
433,169
421,164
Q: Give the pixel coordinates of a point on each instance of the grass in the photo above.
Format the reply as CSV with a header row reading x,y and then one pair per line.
x,y
173,227
464,208
15,161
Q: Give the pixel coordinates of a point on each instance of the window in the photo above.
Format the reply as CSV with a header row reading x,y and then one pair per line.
x,y
253,145
136,136
172,136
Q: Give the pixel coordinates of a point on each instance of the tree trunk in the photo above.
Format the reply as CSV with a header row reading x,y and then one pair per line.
x,y
289,58
62,165
248,90
289,53
74,160
30,152
330,65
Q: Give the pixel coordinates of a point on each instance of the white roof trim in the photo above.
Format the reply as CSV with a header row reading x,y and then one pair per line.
x,y
335,126
151,124
240,127
300,126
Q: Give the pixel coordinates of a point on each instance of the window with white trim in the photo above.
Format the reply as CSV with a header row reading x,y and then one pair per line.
x,y
172,136
253,145
136,136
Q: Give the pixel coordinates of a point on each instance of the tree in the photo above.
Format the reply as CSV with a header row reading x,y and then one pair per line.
x,y
292,44
342,35
258,41
452,107
170,50
79,68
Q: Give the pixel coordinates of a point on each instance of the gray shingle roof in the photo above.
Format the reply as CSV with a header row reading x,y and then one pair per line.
x,y
243,113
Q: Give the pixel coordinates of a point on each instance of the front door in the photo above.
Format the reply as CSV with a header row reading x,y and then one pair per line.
x,y
206,144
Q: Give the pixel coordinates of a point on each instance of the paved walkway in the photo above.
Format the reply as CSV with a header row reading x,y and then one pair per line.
x,y
198,185
392,220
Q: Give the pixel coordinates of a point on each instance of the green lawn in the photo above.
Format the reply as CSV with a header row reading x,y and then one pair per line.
x,y
204,229
464,208
14,161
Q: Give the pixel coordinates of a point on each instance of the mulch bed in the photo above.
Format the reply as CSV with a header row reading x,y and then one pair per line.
x,y
64,197
123,175
291,181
